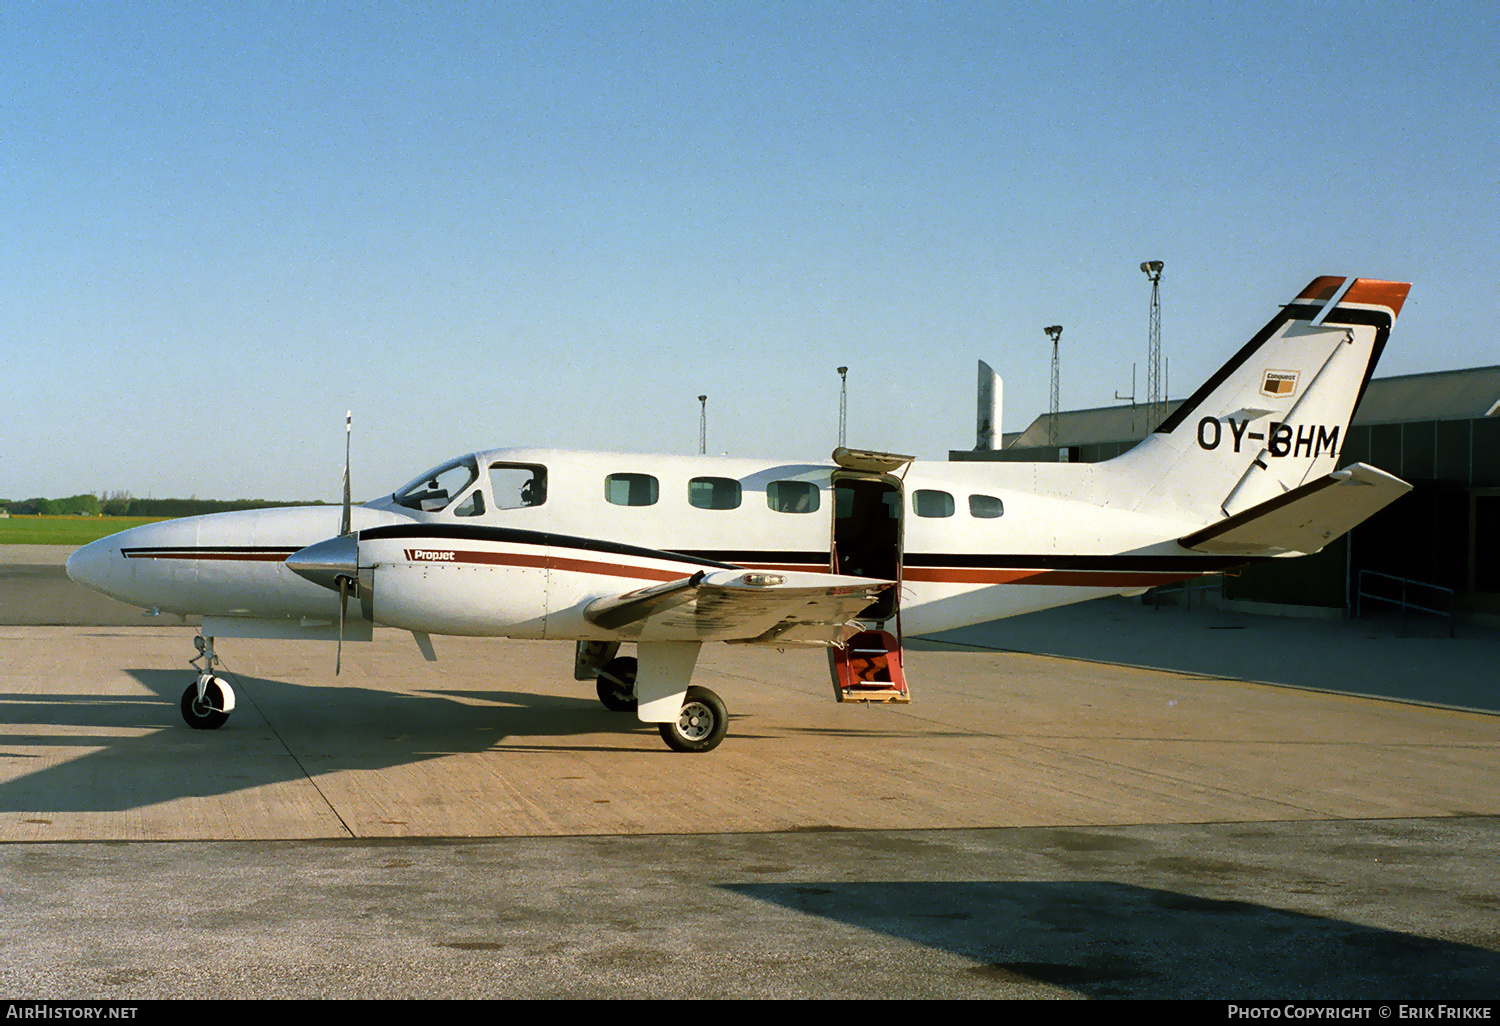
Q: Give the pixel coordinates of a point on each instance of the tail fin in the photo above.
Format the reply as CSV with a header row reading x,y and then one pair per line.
x,y
1275,416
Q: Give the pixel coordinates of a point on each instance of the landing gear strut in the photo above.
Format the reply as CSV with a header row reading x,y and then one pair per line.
x,y
208,701
656,685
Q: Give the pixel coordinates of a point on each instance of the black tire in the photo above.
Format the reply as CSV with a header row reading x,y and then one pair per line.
x,y
616,684
700,726
208,714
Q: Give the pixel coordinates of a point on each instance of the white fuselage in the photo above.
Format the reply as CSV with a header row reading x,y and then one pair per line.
x,y
1036,536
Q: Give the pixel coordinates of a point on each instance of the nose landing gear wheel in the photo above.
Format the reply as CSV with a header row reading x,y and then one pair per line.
x,y
209,712
616,684
701,724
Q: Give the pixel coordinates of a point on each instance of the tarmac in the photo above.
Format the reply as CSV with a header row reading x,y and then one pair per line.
x,y
1102,801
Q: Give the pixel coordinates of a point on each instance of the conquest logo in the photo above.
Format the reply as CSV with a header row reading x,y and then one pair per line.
x,y
431,555
1279,383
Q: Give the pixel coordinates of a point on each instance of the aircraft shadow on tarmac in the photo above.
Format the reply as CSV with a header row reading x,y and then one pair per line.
x,y
1364,657
1114,940
279,732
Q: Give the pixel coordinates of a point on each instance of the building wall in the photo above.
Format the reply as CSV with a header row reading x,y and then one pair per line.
x,y
1452,452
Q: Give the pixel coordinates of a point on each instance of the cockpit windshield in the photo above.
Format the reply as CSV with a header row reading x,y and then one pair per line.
x,y
436,489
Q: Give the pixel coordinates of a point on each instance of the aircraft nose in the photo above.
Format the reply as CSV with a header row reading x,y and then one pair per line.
x,y
95,564
325,562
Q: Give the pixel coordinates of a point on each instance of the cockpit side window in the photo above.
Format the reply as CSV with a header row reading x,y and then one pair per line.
x,y
435,490
518,485
472,506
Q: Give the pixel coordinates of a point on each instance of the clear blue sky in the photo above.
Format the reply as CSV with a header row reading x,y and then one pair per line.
x,y
558,225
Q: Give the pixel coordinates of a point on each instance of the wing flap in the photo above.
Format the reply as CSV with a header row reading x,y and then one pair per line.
x,y
738,605
1304,519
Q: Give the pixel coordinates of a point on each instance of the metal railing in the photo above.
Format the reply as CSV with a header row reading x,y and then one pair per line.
x,y
1431,594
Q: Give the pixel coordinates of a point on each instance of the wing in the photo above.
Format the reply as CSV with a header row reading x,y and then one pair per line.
x,y
781,607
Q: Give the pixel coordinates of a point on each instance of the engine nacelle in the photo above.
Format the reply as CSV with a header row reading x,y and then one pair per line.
x,y
457,597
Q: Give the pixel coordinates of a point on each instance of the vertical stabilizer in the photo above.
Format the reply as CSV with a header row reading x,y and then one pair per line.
x,y
1276,415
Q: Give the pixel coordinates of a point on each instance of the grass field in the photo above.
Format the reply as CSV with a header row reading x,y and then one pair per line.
x,y
64,530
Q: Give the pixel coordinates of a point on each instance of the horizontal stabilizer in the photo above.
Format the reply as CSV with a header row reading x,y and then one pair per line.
x,y
1304,519
740,605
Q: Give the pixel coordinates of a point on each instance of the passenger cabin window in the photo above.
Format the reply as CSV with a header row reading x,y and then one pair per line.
x,y
792,496
630,489
929,503
714,493
985,507
434,491
518,485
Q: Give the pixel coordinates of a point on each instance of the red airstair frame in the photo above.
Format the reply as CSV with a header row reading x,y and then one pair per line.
x,y
868,669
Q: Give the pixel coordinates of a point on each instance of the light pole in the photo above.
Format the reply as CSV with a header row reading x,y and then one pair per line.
x,y
1154,397
1054,332
702,425
843,403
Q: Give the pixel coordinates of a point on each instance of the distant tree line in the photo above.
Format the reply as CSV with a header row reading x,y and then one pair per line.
x,y
121,504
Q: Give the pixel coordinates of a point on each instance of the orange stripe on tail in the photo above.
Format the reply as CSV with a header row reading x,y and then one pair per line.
x,y
1367,292
1321,290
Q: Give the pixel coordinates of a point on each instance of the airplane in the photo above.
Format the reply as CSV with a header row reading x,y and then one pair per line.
x,y
667,553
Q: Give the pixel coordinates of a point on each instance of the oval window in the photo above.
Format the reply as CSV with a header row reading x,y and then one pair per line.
x,y
714,493
985,507
930,503
630,489
792,496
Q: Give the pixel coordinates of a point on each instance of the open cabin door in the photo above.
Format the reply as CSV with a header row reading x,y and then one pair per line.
x,y
868,510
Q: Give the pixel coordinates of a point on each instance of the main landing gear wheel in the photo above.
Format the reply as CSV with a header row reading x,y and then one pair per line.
x,y
616,684
701,724
211,711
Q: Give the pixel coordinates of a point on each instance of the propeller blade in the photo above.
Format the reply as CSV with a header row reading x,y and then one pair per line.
x,y
338,660
344,524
